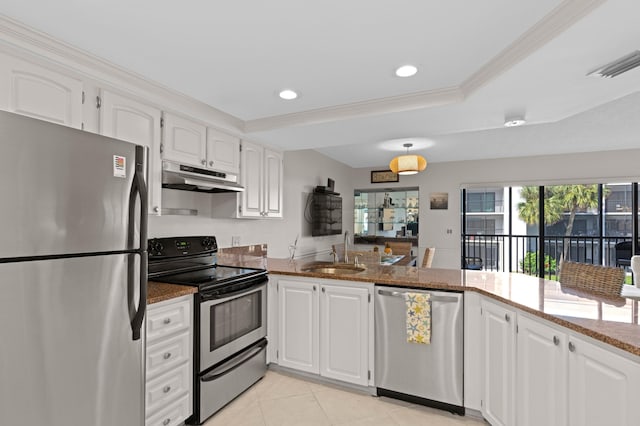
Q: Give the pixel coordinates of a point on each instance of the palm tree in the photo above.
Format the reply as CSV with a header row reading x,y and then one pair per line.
x,y
557,201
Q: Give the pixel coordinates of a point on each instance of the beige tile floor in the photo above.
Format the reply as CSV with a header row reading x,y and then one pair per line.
x,y
280,399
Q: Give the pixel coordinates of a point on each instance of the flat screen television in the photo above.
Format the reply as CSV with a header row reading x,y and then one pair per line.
x,y
326,214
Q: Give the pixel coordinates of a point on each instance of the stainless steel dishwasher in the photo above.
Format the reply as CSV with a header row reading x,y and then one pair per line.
x,y
428,374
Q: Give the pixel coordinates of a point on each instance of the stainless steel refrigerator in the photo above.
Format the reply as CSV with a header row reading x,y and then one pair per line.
x,y
72,276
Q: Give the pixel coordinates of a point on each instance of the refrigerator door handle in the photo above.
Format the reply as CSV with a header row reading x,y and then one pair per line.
x,y
138,189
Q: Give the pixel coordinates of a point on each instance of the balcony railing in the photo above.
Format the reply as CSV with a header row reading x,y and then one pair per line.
x,y
518,253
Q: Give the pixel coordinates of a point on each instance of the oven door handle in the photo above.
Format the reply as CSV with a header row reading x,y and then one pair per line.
x,y
249,289
226,369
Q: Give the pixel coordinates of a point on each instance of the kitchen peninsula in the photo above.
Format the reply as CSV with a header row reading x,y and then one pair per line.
x,y
533,295
529,343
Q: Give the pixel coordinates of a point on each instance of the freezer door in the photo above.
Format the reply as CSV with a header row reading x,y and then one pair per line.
x,y
63,190
67,355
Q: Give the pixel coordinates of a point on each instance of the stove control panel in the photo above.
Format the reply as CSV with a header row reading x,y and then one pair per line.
x,y
181,246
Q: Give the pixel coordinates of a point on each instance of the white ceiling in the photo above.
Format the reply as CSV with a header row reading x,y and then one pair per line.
x,y
479,62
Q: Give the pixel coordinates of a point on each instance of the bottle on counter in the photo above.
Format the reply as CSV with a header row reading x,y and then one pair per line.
x,y
387,249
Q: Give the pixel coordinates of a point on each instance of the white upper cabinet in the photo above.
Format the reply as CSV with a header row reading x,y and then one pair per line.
x,y
273,185
39,92
223,152
184,141
133,121
262,178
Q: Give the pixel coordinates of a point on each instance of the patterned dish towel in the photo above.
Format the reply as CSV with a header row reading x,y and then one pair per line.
x,y
418,317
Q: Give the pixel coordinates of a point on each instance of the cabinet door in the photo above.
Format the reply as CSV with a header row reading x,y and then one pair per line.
x,y
185,141
298,324
252,172
273,185
223,152
603,386
36,91
133,121
541,387
344,333
499,358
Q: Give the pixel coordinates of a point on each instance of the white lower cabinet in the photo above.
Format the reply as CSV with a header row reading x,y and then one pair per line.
x,y
603,386
498,363
344,333
298,326
169,364
541,385
325,327
539,373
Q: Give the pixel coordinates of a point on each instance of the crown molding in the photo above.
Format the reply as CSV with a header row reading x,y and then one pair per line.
x,y
18,38
551,26
17,35
408,102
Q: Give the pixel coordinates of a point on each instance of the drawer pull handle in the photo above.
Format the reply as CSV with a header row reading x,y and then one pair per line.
x,y
166,389
166,422
167,321
167,355
572,347
507,317
556,340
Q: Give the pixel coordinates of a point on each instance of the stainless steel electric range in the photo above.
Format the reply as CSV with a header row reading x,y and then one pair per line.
x,y
230,318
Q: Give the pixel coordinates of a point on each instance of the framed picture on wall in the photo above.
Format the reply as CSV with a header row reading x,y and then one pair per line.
x,y
439,200
381,176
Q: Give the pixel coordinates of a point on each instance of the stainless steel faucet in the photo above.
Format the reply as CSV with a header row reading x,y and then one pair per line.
x,y
346,246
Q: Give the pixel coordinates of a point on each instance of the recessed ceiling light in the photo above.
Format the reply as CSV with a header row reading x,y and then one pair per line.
x,y
406,71
288,94
514,122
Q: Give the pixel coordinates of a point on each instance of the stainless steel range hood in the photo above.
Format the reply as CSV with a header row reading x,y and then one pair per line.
x,y
189,178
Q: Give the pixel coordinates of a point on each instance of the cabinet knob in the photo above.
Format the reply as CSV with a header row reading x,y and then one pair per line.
x,y
211,163
167,321
167,355
314,288
204,162
166,389
556,340
323,289
156,209
572,347
507,317
165,422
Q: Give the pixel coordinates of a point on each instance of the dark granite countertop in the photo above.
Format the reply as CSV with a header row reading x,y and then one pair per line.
x,y
158,292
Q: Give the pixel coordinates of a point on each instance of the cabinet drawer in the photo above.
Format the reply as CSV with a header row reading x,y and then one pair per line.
x,y
167,388
172,415
167,319
167,354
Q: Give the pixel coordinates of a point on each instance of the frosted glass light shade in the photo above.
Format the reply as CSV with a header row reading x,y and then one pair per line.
x,y
408,164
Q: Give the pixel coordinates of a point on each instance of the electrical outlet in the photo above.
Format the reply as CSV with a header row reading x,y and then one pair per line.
x,y
235,241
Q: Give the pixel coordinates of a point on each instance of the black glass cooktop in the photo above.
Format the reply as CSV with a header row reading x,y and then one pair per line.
x,y
212,276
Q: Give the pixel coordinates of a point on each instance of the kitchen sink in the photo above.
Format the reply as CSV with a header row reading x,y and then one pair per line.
x,y
333,268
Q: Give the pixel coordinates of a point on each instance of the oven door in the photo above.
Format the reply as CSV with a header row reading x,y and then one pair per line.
x,y
231,322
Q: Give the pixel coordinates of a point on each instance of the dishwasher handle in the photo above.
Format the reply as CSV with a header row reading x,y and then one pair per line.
x,y
444,299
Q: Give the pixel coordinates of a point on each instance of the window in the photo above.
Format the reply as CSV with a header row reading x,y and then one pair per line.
x,y
582,223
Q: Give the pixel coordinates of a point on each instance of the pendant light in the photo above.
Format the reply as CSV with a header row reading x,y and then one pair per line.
x,y
408,164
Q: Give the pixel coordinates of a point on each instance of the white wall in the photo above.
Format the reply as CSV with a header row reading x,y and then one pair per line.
x,y
594,167
303,171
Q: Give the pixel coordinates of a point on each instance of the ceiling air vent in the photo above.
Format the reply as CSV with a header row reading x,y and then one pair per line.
x,y
619,66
